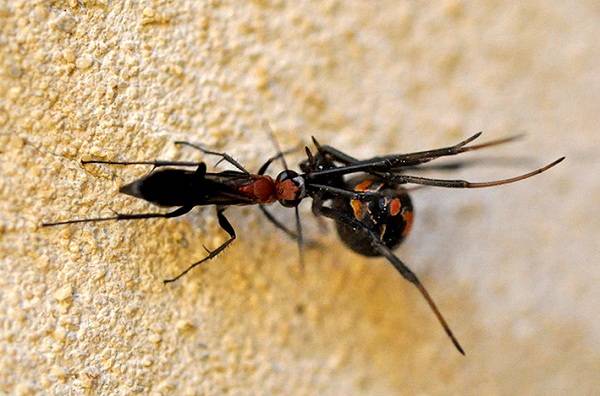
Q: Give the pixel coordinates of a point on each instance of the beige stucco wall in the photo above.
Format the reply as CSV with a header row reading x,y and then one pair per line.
x,y
514,269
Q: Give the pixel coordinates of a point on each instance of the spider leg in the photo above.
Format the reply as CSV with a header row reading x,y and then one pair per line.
x,y
461,147
429,155
323,188
463,163
412,278
399,179
395,163
349,160
395,261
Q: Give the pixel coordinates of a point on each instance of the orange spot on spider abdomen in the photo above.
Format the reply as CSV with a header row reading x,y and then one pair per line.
x,y
357,209
408,217
394,206
363,185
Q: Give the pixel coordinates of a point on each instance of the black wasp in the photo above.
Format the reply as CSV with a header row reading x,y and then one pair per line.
x,y
372,210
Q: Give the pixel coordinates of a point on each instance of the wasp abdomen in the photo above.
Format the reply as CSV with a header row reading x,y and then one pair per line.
x,y
165,187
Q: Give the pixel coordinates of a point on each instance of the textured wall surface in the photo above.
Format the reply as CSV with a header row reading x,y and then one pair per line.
x,y
514,269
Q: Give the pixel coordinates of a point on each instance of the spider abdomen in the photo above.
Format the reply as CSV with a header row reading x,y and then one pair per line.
x,y
388,216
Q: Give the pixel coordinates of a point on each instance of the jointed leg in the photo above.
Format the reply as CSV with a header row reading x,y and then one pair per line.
x,y
156,163
225,225
461,147
412,278
277,223
265,166
399,179
463,163
300,239
395,261
334,153
263,209
426,156
343,192
124,216
396,163
346,159
280,154
224,156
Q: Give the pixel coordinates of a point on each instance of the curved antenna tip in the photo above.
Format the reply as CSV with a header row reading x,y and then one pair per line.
x,y
552,164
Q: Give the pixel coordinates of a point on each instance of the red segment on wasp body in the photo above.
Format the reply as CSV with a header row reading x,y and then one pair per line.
x,y
179,187
373,214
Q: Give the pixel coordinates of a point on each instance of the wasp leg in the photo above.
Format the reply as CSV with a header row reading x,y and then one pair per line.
x,y
124,216
224,156
279,225
300,239
156,163
228,228
395,261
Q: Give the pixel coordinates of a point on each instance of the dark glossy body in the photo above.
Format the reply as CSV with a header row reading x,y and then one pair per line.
x,y
178,187
389,216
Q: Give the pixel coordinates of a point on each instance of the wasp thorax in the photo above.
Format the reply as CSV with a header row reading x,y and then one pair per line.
x,y
289,187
